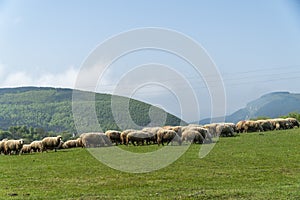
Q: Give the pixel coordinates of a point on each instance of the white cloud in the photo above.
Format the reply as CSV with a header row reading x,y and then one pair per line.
x,y
65,79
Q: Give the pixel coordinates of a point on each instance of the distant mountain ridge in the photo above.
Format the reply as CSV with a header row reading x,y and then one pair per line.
x,y
271,105
51,109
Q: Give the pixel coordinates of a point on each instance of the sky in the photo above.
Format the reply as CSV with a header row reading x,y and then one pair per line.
x,y
255,45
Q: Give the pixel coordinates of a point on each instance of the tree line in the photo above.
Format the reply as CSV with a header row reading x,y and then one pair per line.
x,y
295,115
29,134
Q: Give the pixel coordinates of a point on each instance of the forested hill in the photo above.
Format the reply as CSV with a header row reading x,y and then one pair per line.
x,y
51,109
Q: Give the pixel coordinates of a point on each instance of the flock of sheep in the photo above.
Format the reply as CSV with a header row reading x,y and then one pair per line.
x,y
192,133
8,147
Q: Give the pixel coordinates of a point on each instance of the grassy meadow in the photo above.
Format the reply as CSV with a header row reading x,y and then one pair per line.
x,y
250,166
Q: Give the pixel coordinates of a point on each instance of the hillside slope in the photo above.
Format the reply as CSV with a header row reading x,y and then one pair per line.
x,y
51,109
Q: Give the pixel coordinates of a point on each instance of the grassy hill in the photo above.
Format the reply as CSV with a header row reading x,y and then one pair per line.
x,y
250,166
51,109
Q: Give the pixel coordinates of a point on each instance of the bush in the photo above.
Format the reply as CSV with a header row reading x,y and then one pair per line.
x,y
293,115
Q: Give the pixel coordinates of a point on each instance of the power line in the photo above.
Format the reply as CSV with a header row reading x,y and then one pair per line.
x,y
233,81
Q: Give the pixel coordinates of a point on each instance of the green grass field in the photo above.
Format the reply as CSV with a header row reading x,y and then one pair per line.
x,y
250,166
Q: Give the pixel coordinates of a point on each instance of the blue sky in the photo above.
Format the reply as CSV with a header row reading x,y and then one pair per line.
x,y
255,44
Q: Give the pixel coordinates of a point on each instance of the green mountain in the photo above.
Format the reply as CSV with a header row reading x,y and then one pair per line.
x,y
51,109
270,105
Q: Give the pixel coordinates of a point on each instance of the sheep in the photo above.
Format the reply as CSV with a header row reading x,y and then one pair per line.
x,y
114,136
275,123
152,131
37,146
177,129
79,142
294,122
26,148
164,135
95,139
13,146
137,137
52,143
124,134
72,143
249,126
240,126
2,143
212,129
204,132
232,125
266,125
282,123
192,136
225,130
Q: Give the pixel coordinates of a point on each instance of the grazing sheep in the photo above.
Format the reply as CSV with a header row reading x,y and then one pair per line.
x,y
212,129
2,143
232,125
275,123
192,136
266,125
79,142
94,140
249,126
152,131
72,143
13,146
225,130
285,124
52,143
282,123
37,146
294,122
124,134
168,136
26,149
240,126
137,137
204,132
177,129
114,136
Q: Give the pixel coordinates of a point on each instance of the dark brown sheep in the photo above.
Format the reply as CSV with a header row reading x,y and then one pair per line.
x,y
114,136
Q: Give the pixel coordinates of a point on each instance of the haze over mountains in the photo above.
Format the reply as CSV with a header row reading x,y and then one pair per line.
x,y
271,105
